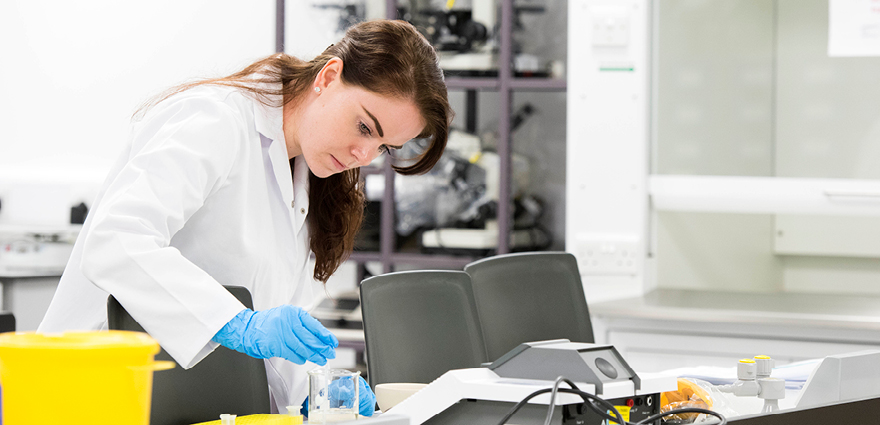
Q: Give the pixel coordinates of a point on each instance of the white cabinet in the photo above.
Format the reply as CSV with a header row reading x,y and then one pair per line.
x,y
722,138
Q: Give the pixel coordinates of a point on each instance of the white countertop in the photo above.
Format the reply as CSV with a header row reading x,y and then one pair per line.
x,y
815,310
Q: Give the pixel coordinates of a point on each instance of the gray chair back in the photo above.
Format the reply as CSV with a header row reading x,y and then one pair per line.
x,y
419,325
532,296
7,321
225,381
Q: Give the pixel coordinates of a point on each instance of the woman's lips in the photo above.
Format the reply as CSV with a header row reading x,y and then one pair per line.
x,y
339,166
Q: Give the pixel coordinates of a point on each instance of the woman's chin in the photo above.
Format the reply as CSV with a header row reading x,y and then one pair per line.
x,y
323,173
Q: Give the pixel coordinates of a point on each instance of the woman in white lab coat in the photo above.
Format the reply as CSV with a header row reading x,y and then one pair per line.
x,y
234,181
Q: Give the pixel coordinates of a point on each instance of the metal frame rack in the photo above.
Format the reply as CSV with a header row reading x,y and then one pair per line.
x,y
505,84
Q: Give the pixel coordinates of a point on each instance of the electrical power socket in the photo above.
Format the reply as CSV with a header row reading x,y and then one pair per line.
x,y
607,254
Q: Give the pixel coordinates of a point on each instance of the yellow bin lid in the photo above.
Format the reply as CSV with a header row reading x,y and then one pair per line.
x,y
76,345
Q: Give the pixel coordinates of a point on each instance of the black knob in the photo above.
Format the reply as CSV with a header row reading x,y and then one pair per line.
x,y
78,213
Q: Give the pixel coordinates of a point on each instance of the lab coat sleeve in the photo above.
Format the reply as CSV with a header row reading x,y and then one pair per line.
x,y
182,152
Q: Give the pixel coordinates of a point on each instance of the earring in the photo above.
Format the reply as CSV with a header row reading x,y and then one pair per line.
x,y
318,90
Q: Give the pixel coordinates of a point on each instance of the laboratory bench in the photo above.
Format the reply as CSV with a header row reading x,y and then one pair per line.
x,y
672,328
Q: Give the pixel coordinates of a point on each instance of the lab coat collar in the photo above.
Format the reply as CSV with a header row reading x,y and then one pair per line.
x,y
269,120
301,191
294,188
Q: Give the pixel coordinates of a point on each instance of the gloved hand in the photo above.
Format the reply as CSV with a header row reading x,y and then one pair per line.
x,y
366,398
341,393
285,331
367,404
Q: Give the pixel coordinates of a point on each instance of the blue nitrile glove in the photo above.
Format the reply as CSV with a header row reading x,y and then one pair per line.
x,y
285,331
367,400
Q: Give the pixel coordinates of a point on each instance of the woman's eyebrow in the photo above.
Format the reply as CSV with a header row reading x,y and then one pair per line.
x,y
375,121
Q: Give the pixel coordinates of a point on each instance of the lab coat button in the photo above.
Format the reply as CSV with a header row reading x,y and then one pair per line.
x,y
291,204
302,210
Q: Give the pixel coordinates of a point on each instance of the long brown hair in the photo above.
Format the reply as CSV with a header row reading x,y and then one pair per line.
x,y
386,57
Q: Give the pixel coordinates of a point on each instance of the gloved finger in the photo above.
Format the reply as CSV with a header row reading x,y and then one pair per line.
x,y
316,328
367,400
265,345
316,344
341,389
346,401
276,346
293,344
311,341
302,342
311,332
345,392
283,351
298,350
287,354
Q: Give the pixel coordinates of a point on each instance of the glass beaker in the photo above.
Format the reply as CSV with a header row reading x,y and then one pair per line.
x,y
333,395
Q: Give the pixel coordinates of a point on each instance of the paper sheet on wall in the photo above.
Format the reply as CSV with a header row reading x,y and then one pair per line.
x,y
853,28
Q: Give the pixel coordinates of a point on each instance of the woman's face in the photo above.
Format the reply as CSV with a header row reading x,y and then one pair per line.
x,y
345,126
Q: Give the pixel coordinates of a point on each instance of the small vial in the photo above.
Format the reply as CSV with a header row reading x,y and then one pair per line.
x,y
227,419
295,413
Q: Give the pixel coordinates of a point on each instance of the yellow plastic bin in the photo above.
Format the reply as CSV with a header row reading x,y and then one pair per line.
x,y
78,377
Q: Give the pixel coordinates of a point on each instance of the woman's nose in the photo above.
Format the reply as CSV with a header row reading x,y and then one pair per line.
x,y
363,153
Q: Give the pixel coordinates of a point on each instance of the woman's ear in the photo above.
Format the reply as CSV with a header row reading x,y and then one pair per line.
x,y
332,71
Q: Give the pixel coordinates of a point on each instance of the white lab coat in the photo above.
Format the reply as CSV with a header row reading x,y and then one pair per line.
x,y
201,197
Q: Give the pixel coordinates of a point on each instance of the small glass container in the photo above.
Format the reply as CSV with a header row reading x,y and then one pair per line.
x,y
333,395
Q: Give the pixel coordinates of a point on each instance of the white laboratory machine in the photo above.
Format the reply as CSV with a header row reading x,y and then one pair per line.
x,y
484,395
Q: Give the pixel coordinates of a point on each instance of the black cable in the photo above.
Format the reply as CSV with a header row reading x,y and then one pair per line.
x,y
553,396
552,400
590,399
652,418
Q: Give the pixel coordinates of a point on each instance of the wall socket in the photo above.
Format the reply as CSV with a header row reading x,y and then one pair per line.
x,y
610,26
608,254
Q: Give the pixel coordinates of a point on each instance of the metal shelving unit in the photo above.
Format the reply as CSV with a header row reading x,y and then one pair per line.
x,y
505,84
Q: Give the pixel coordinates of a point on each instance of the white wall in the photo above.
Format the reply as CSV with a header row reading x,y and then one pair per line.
x,y
607,134
74,72
311,26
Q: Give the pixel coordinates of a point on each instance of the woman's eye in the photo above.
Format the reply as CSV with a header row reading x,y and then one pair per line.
x,y
364,129
390,150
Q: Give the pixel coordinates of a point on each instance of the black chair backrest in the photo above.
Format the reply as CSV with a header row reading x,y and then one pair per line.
x,y
525,297
225,381
7,321
420,324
